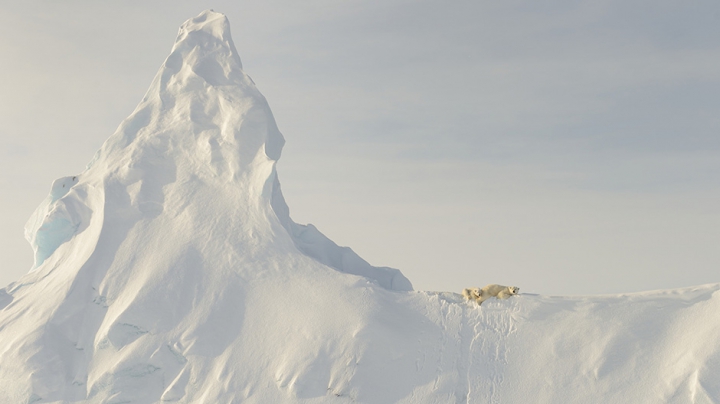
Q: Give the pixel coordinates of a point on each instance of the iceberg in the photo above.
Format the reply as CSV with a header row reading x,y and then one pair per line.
x,y
170,271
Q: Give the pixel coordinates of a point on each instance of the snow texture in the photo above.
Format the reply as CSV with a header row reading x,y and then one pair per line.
x,y
170,271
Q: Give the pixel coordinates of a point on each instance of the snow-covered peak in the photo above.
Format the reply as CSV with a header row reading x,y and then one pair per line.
x,y
202,94
202,143
206,33
204,45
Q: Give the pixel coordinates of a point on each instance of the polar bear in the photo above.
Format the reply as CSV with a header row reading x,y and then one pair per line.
x,y
471,293
492,290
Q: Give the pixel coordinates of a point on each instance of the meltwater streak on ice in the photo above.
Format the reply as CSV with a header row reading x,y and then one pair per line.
x,y
170,271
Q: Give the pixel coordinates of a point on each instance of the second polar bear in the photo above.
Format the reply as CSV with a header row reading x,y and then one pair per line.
x,y
492,290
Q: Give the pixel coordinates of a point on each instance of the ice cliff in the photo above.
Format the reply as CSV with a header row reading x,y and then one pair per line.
x,y
170,271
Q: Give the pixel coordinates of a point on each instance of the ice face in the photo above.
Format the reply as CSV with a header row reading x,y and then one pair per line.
x,y
58,219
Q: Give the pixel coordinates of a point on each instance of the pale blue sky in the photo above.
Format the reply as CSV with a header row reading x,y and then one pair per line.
x,y
564,147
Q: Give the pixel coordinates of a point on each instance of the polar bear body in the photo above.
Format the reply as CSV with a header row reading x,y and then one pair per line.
x,y
492,290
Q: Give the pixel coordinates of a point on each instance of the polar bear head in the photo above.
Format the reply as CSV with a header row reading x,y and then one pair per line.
x,y
474,292
514,290
471,293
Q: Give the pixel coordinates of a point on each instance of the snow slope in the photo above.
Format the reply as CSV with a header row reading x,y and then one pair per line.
x,y
170,271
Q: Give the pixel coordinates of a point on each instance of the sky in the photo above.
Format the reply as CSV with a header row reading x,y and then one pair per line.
x,y
566,147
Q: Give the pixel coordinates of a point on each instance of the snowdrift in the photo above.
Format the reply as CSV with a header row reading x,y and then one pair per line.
x,y
170,271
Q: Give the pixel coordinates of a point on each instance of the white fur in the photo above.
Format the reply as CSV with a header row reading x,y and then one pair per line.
x,y
492,290
471,293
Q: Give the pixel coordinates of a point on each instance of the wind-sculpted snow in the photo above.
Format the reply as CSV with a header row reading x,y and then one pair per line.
x,y
170,271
